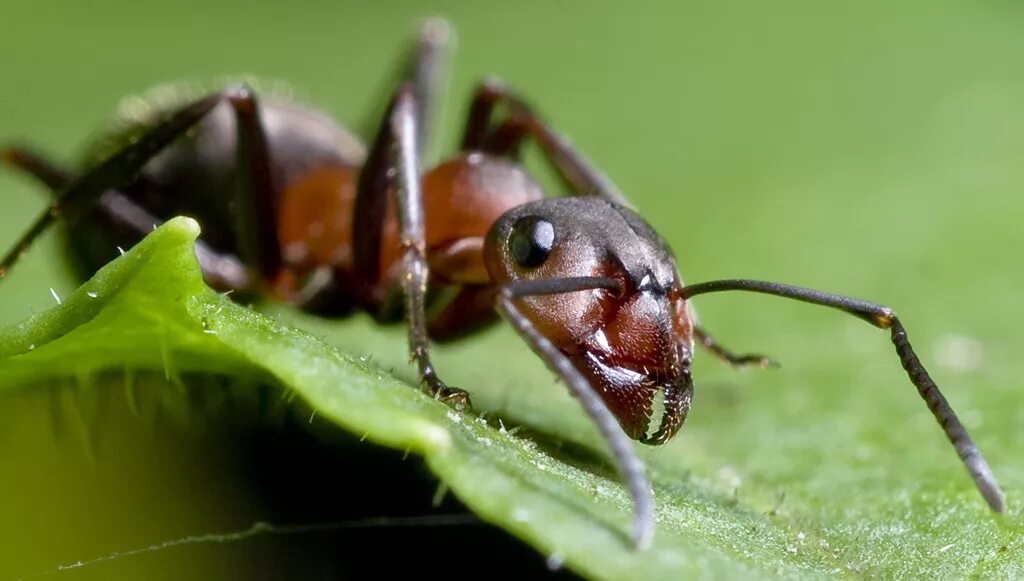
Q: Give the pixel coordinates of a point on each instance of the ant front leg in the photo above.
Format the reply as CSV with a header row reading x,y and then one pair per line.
x,y
393,165
626,460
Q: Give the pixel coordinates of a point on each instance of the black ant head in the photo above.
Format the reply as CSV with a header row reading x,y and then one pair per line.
x,y
631,338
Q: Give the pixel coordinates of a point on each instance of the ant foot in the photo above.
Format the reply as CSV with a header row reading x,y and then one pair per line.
x,y
453,396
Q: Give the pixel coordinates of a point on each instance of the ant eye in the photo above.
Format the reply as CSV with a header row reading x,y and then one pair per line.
x,y
531,241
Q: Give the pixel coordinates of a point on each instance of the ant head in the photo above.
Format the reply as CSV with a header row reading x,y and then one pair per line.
x,y
632,343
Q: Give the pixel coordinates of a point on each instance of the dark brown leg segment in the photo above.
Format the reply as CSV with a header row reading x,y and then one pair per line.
x,y
410,217
572,166
118,170
736,360
884,318
424,64
47,173
394,166
371,206
423,73
427,71
256,194
221,271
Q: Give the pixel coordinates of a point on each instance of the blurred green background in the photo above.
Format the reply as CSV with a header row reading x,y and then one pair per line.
x,y
869,148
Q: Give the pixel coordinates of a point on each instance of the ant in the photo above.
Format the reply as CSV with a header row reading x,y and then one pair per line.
x,y
293,208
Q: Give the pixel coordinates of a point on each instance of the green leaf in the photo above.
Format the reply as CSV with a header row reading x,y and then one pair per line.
x,y
888,516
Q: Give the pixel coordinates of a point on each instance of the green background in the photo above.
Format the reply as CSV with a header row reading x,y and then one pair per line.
x,y
869,148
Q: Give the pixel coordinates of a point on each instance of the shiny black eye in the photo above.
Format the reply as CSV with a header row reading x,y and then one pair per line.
x,y
531,241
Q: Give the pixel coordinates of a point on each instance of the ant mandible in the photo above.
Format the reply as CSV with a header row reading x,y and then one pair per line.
x,y
292,207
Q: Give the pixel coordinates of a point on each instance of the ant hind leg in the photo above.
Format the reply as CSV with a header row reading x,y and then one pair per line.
x,y
221,271
120,169
47,173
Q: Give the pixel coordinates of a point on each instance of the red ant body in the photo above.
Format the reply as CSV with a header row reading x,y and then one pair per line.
x,y
292,208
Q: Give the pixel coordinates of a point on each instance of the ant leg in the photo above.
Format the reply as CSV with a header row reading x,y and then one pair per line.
x,y
507,138
119,169
423,72
45,172
394,165
257,197
410,217
883,318
709,343
582,177
221,271
371,206
626,461
424,64
427,70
